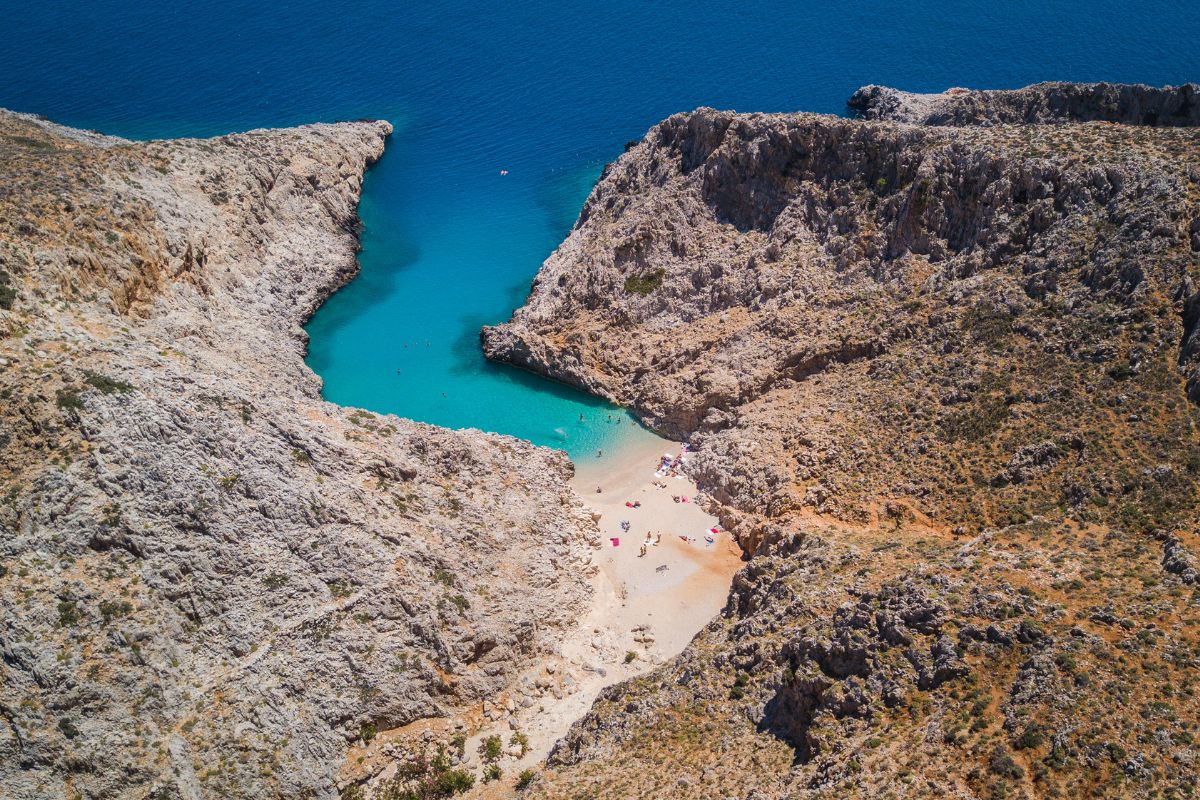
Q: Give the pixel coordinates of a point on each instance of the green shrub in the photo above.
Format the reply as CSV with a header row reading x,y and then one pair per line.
x,y
68,614
422,780
68,400
275,580
8,294
453,781
525,779
630,656
987,323
519,739
1003,764
491,748
112,515
645,284
30,142
492,773
105,384
1032,737
114,609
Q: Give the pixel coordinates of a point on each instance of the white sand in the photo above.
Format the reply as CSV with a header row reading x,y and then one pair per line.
x,y
651,606
676,602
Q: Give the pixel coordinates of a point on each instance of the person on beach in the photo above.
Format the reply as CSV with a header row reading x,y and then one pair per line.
x,y
658,538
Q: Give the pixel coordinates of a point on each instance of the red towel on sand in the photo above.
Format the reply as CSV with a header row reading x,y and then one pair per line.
x,y
615,541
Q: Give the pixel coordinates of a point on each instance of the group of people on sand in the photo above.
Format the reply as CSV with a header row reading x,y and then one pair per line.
x,y
668,466
671,467
650,541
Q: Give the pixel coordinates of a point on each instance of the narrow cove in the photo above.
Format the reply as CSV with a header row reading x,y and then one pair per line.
x,y
402,338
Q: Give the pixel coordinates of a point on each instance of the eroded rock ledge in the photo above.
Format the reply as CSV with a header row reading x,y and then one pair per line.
x,y
210,580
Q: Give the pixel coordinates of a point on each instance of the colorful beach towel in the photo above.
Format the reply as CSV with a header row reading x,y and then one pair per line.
x,y
616,542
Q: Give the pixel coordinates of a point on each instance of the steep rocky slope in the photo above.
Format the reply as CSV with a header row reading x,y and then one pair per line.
x,y
937,380
211,581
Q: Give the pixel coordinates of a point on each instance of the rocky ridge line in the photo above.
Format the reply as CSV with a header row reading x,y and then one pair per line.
x,y
1042,104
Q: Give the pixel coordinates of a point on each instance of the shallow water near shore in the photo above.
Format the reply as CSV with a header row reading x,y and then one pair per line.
x,y
548,92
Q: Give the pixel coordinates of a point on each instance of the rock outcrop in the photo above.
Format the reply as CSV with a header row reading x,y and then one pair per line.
x,y
1042,103
780,288
937,379
211,581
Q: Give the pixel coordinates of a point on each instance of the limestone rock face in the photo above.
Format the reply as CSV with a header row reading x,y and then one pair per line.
x,y
1042,103
940,381
780,288
211,580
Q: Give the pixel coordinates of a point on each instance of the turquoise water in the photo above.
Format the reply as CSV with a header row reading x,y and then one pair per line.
x,y
404,335
549,91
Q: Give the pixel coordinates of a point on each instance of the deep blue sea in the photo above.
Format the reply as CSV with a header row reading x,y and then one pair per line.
x,y
548,91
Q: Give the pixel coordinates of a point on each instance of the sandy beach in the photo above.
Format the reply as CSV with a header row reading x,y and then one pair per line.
x,y
679,585
649,606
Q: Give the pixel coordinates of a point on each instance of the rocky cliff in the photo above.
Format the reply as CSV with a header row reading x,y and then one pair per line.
x,y
1043,103
937,379
211,581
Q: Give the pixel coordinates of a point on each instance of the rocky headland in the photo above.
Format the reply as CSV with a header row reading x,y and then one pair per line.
x,y
1043,103
213,583
941,379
